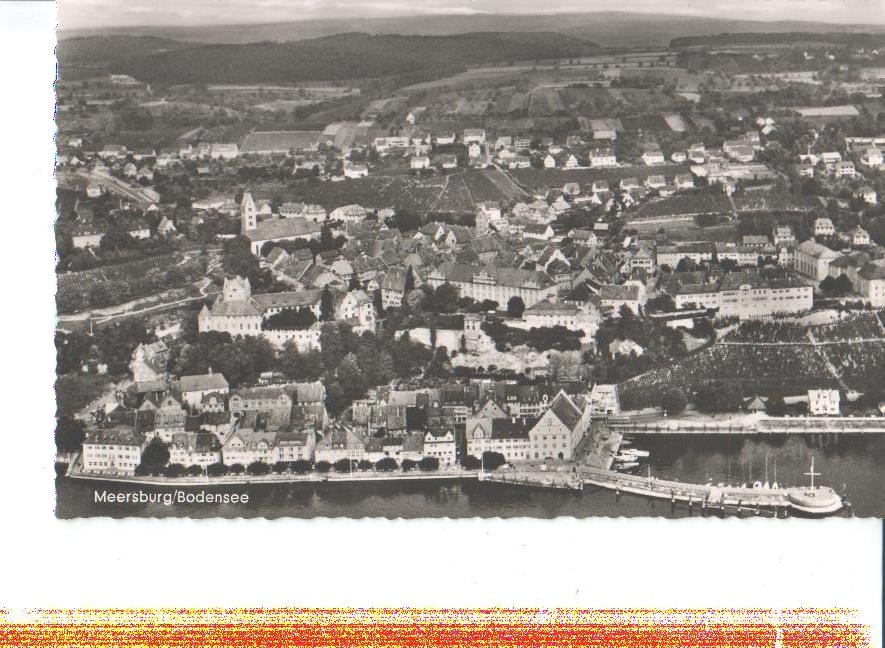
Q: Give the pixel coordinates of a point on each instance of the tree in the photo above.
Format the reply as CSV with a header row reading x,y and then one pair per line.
x,y
195,470
216,469
703,328
280,467
776,406
686,264
718,397
409,464
515,307
470,462
327,305
300,466
258,468
237,469
386,464
156,453
343,465
673,401
492,460
663,303
836,287
173,470
428,464
71,351
365,464
69,434
322,466
290,319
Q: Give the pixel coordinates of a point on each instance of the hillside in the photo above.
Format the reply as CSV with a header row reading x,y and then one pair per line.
x,y
609,28
98,51
780,38
345,57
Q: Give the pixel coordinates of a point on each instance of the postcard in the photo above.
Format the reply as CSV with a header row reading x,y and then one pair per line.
x,y
469,261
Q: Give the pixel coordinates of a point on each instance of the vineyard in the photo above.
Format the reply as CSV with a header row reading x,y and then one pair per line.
x,y
87,279
848,354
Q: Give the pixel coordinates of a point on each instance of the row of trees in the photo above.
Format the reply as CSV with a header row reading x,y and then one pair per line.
x,y
299,467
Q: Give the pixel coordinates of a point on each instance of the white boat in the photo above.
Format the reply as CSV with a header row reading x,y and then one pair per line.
x,y
639,453
627,465
625,456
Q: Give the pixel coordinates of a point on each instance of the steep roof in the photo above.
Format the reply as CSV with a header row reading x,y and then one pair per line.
x,y
566,411
203,382
280,228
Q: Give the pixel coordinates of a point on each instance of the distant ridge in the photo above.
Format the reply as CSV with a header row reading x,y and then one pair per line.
x,y
353,56
754,38
609,29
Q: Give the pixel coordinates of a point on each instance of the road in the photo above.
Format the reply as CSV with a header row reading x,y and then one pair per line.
x,y
117,186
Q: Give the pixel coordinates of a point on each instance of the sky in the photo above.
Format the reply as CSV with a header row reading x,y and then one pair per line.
x,y
81,14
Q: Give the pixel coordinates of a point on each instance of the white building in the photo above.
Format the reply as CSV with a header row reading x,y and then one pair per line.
x,y
823,402
559,430
748,295
813,259
114,450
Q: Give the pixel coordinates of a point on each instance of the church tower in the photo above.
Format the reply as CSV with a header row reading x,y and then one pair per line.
x,y
248,213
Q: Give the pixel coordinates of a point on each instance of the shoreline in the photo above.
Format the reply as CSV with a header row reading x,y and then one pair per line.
x,y
257,480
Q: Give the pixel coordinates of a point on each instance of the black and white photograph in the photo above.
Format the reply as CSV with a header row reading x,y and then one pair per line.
x,y
459,259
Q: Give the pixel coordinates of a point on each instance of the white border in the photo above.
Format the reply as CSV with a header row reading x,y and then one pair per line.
x,y
102,562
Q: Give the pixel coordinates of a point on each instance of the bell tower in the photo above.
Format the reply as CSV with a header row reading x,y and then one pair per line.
x,y
248,213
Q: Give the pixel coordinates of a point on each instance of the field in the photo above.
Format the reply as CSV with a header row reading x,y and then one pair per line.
x,y
531,179
86,279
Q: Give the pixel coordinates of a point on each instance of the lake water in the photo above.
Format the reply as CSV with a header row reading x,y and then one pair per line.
x,y
852,464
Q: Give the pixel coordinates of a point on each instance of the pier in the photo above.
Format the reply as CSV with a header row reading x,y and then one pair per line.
x,y
812,500
762,425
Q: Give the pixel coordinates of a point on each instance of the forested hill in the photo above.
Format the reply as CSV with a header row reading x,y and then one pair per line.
x,y
99,51
345,57
755,38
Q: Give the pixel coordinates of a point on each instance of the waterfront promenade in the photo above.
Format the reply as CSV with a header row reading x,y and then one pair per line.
x,y
273,478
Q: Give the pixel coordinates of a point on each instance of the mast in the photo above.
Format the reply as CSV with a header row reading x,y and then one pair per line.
x,y
811,473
